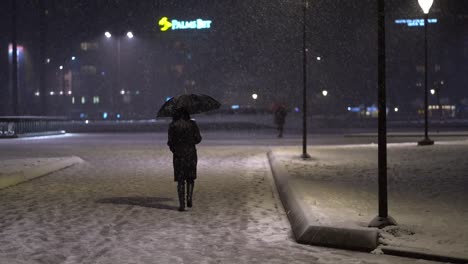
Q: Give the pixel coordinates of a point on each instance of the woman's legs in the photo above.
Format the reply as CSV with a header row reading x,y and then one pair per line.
x,y
180,192
190,185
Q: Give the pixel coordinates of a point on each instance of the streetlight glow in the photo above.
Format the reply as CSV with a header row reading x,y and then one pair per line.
x,y
433,91
324,92
108,34
425,6
122,92
319,58
255,96
129,34
73,57
61,67
396,109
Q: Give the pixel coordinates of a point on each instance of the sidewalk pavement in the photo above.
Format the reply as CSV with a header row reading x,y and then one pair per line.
x,y
15,171
120,206
327,213
331,198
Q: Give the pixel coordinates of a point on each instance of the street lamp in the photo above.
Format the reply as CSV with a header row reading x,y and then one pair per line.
x,y
324,92
382,219
425,6
304,155
108,35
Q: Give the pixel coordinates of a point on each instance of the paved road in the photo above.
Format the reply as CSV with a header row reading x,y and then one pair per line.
x,y
120,206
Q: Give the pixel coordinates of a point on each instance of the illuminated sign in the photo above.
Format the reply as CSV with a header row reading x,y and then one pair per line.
x,y
415,22
166,24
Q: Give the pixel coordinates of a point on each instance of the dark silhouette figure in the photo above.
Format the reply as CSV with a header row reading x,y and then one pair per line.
x,y
183,135
280,119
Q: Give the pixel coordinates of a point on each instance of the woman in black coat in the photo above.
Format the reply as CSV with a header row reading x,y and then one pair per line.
x,y
183,135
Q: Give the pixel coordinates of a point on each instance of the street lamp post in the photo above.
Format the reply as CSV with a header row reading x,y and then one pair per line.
x,y
382,219
304,155
108,35
425,6
439,86
42,56
14,56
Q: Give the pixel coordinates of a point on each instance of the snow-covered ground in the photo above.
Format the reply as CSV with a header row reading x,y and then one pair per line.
x,y
427,190
119,206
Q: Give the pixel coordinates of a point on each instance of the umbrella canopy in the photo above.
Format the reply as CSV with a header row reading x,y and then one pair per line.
x,y
193,103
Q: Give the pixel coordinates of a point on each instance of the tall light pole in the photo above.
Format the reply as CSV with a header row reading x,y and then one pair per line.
x,y
304,155
383,219
14,53
42,56
425,6
108,35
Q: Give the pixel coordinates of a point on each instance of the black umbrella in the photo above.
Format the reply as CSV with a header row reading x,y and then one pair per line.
x,y
193,103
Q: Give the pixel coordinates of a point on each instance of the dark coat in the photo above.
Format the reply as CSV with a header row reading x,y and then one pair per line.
x,y
280,116
183,135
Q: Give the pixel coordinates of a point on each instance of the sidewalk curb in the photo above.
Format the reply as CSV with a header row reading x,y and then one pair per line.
x,y
307,231
39,171
422,254
395,135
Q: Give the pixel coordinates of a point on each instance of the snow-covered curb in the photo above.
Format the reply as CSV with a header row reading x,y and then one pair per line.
x,y
42,167
412,134
424,254
308,231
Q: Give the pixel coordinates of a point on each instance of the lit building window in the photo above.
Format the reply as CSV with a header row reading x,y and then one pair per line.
x,y
83,100
73,100
88,69
96,100
89,46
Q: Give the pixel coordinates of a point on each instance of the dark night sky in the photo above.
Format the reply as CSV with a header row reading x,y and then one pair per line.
x,y
253,45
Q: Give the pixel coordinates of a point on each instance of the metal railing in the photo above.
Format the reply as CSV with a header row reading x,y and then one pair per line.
x,y
19,126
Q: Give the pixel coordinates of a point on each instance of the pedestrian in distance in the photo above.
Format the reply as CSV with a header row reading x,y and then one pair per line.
x,y
280,119
183,135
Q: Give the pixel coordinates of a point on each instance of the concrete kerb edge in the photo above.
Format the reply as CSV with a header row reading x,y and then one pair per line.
x,y
391,135
305,230
40,171
42,134
420,254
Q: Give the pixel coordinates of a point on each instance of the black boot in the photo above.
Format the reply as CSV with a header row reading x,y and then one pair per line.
x,y
180,192
189,193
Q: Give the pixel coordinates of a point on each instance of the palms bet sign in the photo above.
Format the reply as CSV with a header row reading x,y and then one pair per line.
x,y
174,24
